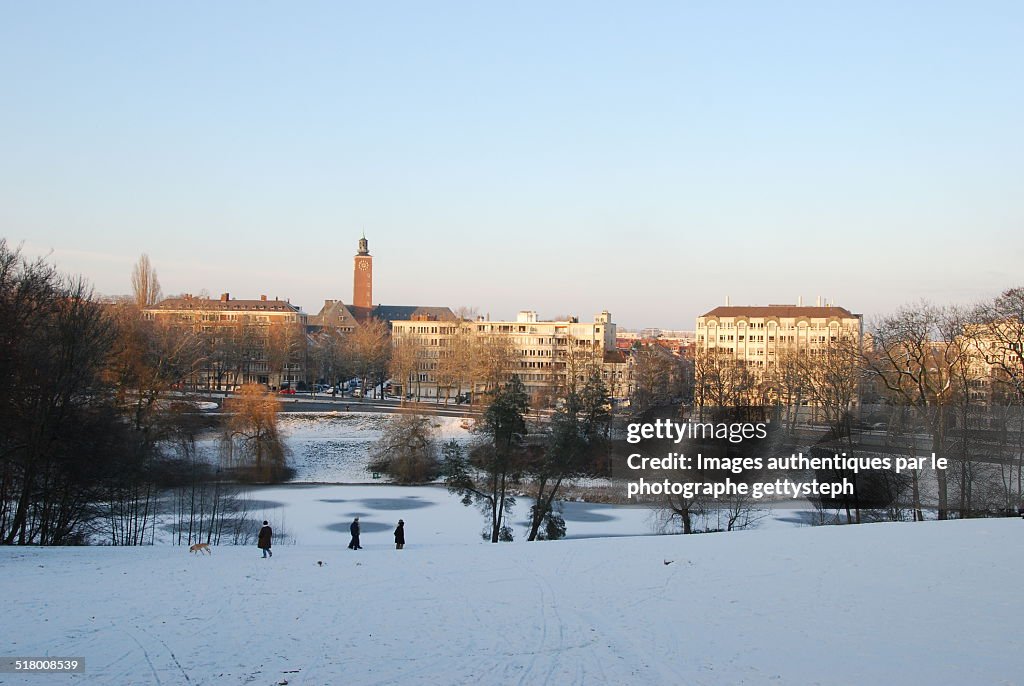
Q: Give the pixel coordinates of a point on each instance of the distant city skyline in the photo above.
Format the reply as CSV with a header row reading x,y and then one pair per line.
x,y
649,160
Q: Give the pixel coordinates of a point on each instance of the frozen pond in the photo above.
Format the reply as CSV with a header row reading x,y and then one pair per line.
x,y
331,486
321,514
334,447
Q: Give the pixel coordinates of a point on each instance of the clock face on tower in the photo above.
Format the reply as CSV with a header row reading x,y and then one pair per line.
x,y
362,292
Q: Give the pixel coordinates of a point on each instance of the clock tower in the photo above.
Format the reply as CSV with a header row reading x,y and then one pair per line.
x,y
362,288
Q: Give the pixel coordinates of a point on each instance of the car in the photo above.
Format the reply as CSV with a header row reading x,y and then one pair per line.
x,y
286,391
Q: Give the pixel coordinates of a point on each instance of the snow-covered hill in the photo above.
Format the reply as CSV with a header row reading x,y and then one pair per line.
x,y
934,603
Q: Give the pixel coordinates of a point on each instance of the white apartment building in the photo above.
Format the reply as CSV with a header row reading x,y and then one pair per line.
x,y
756,335
543,353
995,365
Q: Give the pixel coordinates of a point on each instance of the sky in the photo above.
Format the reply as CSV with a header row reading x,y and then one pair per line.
x,y
645,158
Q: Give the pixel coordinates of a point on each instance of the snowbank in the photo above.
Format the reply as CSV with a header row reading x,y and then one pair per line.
x,y
933,603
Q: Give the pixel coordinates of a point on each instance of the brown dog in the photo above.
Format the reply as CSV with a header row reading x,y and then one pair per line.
x,y
200,548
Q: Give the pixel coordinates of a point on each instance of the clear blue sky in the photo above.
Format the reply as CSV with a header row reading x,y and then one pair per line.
x,y
645,158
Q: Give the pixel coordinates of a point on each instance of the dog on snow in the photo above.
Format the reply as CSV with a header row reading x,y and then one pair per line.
x,y
200,548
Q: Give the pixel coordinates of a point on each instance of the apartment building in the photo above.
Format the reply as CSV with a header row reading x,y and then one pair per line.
x,y
545,354
995,369
245,341
757,335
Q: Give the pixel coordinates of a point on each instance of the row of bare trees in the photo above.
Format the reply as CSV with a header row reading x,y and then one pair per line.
x,y
956,376
467,362
237,352
934,379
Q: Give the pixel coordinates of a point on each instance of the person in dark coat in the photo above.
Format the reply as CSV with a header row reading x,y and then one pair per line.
x,y
354,530
400,535
266,533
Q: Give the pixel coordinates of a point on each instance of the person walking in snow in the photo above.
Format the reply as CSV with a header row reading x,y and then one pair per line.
x,y
400,535
266,533
354,530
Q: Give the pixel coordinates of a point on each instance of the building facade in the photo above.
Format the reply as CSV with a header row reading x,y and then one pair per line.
x,y
244,341
757,356
448,358
757,336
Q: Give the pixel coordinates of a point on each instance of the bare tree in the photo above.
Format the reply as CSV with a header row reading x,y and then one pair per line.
x,y
493,362
574,363
407,353
407,449
330,356
251,442
454,360
60,433
833,378
915,358
370,346
653,372
723,382
145,285
286,350
150,358
787,383
1000,337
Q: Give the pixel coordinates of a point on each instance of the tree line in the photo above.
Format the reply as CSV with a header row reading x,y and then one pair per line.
x,y
95,441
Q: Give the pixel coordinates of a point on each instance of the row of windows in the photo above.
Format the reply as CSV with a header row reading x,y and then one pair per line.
x,y
723,338
774,325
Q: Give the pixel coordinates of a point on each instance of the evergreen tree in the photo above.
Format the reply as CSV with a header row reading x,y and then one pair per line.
x,y
578,429
487,475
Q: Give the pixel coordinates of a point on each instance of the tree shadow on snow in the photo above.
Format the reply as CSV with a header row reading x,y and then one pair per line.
x,y
410,503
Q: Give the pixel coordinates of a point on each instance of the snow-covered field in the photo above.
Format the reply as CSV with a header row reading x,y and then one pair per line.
x,y
933,603
320,515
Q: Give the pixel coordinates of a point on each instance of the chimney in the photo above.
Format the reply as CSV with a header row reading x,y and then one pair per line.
x,y
818,302
799,301
224,297
727,301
